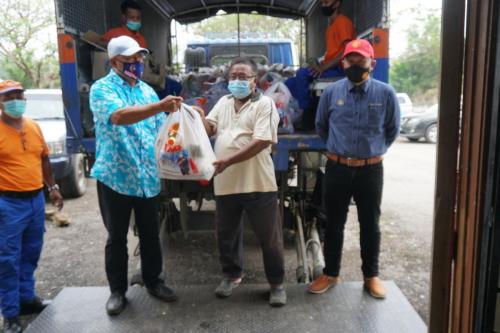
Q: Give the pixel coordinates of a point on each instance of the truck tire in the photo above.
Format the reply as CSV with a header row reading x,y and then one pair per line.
x,y
75,184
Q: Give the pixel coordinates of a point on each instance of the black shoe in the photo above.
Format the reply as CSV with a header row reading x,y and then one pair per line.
x,y
36,305
12,325
163,293
116,304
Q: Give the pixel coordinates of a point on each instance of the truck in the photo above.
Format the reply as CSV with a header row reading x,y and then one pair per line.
x,y
75,55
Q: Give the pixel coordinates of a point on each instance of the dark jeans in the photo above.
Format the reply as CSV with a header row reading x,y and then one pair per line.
x,y
262,211
116,209
364,184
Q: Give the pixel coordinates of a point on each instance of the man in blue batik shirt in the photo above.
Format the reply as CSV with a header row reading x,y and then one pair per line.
x,y
358,118
128,115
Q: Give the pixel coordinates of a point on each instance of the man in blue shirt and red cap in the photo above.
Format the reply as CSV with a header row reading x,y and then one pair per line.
x,y
358,118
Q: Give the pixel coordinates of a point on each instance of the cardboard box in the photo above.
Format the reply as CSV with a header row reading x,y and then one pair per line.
x,y
154,73
100,65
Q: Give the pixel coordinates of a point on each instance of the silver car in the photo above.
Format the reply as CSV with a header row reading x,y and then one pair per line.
x,y
46,107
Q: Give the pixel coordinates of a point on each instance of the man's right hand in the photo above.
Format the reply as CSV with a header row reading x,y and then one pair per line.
x,y
199,110
170,103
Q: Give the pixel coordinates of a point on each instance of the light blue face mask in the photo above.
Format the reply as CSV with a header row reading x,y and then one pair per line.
x,y
239,88
134,26
15,108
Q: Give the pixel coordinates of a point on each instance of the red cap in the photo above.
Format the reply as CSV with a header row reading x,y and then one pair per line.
x,y
361,46
9,85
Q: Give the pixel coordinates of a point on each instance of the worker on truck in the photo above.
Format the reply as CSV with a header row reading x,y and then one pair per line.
x,y
128,115
24,168
339,33
131,18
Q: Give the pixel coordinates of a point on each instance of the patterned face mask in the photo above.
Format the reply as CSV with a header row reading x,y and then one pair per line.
x,y
133,70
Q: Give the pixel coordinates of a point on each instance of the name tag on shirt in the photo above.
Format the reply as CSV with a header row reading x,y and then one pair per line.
x,y
374,105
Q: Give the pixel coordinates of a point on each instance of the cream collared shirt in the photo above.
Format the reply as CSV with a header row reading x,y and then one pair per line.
x,y
257,119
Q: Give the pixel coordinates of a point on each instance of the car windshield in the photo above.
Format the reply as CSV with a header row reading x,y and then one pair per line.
x,y
44,107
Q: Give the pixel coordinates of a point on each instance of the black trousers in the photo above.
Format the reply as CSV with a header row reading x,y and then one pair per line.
x,y
262,211
365,185
116,209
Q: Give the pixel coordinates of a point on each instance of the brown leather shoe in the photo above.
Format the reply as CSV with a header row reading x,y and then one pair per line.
x,y
375,287
322,283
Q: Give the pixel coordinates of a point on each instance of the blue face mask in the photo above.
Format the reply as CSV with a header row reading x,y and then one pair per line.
x,y
15,108
133,70
134,26
239,88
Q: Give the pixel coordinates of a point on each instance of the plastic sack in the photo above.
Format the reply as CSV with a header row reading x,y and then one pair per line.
x,y
182,148
281,96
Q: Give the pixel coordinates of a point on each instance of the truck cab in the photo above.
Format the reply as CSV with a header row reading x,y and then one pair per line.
x,y
220,51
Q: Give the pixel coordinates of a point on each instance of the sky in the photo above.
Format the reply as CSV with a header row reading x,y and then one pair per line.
x,y
401,17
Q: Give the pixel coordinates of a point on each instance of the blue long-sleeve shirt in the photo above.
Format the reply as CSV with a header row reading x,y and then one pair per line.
x,y
358,122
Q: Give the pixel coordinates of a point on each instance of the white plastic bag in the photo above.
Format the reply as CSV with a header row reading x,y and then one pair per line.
x,y
182,149
281,96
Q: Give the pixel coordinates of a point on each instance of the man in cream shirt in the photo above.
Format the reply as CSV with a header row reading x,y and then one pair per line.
x,y
245,125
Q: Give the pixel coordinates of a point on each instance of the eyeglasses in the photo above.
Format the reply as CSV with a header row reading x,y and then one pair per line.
x,y
240,77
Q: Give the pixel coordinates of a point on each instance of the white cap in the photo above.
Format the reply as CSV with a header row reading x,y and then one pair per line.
x,y
125,46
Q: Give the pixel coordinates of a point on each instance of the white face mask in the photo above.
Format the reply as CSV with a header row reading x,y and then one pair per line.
x,y
239,88
15,108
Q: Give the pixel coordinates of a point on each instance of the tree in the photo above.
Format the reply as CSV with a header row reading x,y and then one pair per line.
x,y
417,70
28,50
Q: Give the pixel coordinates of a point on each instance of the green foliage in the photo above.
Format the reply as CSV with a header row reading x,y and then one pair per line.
x,y
28,50
417,70
266,25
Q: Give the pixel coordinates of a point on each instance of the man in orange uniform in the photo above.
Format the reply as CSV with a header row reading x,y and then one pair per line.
x,y
23,168
131,18
339,33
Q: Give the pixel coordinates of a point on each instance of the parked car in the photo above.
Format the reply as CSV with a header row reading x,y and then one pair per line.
x,y
405,103
45,106
415,126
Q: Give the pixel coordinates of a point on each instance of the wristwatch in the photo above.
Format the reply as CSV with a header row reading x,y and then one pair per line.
x,y
54,187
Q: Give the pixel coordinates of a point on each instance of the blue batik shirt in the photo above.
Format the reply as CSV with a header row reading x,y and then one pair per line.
x,y
125,159
358,121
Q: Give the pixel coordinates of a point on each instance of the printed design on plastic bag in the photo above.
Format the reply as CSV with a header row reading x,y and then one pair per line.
x,y
183,149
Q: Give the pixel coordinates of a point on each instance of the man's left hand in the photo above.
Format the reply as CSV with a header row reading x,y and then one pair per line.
x,y
220,166
316,71
199,110
56,199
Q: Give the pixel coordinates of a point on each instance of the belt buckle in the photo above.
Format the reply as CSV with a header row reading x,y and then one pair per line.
x,y
349,160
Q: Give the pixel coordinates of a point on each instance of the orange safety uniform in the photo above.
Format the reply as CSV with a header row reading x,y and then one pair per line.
x,y
339,32
124,31
21,153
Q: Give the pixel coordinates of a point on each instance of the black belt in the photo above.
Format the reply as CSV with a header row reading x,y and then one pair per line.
x,y
20,195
